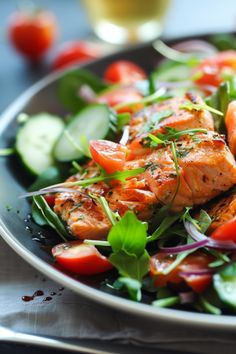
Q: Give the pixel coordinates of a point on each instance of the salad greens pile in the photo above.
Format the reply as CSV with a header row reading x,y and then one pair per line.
x,y
131,243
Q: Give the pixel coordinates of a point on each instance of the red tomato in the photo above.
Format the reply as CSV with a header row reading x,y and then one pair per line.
x,y
80,258
75,52
119,95
124,72
32,34
110,156
225,232
194,262
50,199
213,68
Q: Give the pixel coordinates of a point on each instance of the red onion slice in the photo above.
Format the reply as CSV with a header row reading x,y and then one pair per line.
x,y
198,236
187,297
183,248
196,46
196,272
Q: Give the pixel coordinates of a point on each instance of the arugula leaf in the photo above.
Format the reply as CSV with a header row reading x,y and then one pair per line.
x,y
204,221
128,238
133,287
128,235
70,83
154,97
50,217
166,302
224,283
177,169
165,224
170,134
130,265
198,107
7,152
208,307
37,215
122,119
155,119
219,100
224,41
119,175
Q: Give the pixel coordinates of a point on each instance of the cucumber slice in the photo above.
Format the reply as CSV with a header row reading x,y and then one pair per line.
x,y
35,140
92,122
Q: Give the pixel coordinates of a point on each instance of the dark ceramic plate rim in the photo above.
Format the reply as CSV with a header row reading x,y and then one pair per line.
x,y
171,315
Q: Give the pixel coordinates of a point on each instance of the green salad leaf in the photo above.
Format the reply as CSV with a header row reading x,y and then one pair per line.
x,y
225,285
128,238
70,84
49,216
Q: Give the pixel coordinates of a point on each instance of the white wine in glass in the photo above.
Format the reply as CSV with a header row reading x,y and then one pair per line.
x,y
127,21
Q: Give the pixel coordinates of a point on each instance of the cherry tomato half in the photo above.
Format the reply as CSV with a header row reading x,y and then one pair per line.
x,y
32,34
109,155
124,72
50,199
225,232
80,258
75,52
212,69
115,96
193,262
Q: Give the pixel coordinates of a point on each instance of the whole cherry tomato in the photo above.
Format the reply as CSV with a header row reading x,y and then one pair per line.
x,y
75,52
124,72
32,34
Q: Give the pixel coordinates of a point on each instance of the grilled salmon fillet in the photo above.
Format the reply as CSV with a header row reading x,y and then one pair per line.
x,y
206,166
222,210
169,113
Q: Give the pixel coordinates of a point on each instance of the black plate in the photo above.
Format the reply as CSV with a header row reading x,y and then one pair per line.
x,y
15,224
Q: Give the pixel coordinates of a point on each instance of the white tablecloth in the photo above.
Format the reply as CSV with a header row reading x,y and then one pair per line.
x,y
70,316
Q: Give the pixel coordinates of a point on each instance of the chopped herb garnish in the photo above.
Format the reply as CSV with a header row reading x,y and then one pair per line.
x,y
166,302
144,101
199,107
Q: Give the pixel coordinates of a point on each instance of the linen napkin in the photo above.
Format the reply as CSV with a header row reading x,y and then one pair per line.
x,y
61,313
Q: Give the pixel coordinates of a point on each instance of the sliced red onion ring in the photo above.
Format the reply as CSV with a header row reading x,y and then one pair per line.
x,y
125,136
196,46
183,248
196,272
198,236
187,297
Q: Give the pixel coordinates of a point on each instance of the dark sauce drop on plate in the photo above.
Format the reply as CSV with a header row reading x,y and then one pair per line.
x,y
27,298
